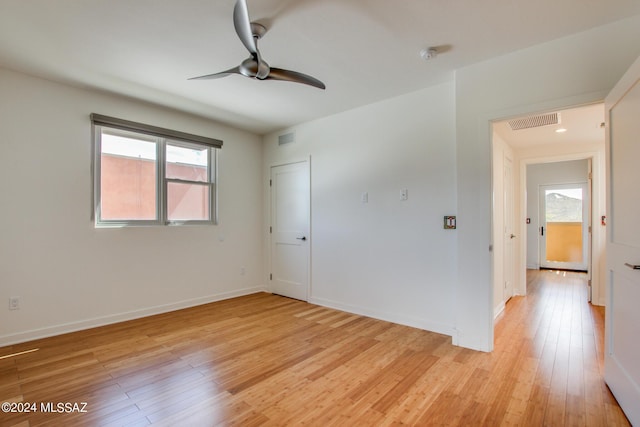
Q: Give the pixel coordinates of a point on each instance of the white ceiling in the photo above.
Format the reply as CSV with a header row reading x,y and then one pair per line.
x,y
582,124
364,51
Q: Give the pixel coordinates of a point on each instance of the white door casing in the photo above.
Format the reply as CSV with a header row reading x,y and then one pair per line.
x,y
590,209
622,317
290,230
509,236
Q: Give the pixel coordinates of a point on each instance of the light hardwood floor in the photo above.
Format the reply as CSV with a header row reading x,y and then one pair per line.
x,y
268,360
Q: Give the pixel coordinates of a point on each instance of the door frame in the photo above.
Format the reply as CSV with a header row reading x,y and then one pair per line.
x,y
269,222
487,119
596,158
509,218
596,249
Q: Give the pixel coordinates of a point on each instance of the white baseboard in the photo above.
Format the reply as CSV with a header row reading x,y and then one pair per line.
x,y
386,316
499,309
65,328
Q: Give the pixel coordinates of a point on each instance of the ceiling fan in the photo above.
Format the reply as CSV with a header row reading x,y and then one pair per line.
x,y
254,66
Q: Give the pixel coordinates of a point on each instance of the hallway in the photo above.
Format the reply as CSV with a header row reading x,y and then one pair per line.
x,y
559,340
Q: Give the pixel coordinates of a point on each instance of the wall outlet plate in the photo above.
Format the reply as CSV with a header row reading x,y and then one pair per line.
x,y
14,303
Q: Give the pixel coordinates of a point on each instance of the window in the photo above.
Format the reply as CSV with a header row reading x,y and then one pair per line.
x,y
145,175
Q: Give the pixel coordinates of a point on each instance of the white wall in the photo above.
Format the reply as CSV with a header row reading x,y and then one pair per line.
x,y
569,172
387,258
70,275
561,73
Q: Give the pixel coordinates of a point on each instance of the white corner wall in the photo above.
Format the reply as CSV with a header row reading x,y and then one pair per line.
x,y
70,275
557,74
387,258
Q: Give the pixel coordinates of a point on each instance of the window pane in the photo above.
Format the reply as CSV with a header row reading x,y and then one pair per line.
x,y
187,201
564,205
187,163
127,178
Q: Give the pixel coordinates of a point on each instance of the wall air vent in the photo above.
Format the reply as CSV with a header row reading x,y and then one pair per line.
x,y
287,138
535,121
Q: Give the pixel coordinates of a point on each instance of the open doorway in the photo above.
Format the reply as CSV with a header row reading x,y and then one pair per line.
x,y
544,139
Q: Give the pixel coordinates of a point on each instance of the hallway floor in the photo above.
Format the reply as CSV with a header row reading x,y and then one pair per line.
x,y
560,340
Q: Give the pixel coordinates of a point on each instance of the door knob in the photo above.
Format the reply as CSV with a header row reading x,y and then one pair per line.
x,y
513,236
301,238
632,266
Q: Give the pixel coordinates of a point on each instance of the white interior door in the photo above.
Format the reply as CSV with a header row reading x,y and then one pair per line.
x,y
564,226
290,239
509,236
622,321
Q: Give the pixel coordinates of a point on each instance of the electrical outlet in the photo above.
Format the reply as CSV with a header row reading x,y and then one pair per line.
x,y
243,271
14,303
404,194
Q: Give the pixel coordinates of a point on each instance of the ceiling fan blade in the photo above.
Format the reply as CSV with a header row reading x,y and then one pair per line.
x,y
242,24
235,70
294,76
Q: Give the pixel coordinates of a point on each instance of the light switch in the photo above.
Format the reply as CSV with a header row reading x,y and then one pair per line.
x,y
449,222
364,197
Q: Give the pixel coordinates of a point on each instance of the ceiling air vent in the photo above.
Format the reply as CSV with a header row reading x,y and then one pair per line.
x,y
535,121
287,138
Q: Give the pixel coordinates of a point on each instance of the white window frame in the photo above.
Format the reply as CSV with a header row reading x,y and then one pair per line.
x,y
161,137
212,168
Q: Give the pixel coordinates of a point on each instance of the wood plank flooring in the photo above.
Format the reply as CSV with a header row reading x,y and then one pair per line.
x,y
265,360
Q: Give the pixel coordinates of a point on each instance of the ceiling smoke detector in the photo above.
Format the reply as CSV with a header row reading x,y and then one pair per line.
x,y
428,53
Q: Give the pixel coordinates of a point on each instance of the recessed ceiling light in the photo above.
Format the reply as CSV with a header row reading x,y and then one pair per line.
x,y
561,130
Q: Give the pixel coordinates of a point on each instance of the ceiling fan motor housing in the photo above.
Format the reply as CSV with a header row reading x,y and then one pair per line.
x,y
252,67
